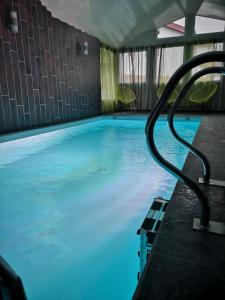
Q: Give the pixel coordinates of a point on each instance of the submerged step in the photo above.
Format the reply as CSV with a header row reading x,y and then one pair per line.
x,y
149,229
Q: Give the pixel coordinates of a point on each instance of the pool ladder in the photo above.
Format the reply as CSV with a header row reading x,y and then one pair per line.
x,y
203,223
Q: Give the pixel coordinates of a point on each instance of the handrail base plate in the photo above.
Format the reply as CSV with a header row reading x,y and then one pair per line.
x,y
214,227
213,182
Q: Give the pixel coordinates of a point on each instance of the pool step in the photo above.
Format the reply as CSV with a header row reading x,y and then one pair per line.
x,y
149,229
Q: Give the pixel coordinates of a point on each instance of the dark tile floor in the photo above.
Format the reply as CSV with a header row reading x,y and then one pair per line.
x,y
187,264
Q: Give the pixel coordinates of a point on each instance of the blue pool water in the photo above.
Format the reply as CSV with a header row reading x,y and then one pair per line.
x,y
72,199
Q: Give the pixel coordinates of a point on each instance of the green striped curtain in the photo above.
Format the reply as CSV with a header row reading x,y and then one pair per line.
x,y
109,79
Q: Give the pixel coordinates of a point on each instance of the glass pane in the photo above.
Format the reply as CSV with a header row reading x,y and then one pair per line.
x,y
168,61
202,48
175,28
132,66
207,25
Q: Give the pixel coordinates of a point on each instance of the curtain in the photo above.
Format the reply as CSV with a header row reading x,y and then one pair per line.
x,y
217,102
168,60
146,71
109,79
136,74
133,65
202,48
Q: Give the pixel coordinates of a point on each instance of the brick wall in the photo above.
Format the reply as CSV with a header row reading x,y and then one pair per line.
x,y
43,78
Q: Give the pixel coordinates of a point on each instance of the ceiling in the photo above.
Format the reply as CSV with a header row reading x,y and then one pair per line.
x,y
121,23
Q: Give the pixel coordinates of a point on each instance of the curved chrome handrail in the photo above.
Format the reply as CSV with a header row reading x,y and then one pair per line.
x,y
11,282
149,129
170,118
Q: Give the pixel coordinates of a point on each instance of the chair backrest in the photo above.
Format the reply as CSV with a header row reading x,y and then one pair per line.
x,y
125,95
204,93
173,96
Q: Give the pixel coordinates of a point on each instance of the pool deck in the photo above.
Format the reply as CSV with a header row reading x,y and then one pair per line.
x,y
188,264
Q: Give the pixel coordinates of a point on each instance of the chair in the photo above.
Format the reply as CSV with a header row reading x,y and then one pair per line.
x,y
173,96
203,94
125,95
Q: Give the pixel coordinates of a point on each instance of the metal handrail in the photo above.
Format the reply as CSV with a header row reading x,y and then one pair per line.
x,y
11,281
170,118
149,129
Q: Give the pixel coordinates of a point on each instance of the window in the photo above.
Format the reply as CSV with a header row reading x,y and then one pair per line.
x,y
168,60
132,67
207,25
173,29
202,48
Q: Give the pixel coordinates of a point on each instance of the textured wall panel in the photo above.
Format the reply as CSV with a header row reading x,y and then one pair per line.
x,y
43,78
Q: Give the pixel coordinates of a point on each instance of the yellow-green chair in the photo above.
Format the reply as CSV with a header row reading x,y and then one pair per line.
x,y
203,94
125,95
173,96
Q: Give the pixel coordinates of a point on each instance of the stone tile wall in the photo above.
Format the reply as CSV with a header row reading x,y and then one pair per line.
x,y
44,79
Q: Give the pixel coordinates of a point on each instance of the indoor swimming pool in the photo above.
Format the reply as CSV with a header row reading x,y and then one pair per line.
x,y
72,198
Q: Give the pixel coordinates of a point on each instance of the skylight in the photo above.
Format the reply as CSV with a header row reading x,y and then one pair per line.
x,y
208,25
173,29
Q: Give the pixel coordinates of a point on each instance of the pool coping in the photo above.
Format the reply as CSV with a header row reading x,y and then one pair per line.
x,y
187,264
